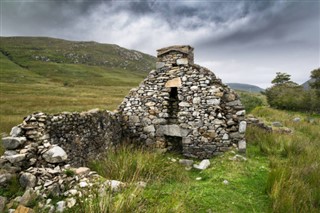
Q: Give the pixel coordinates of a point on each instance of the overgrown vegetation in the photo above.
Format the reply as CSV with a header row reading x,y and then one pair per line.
x,y
172,188
293,182
288,95
252,100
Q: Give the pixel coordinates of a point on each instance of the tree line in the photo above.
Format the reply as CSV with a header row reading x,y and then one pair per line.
x,y
288,95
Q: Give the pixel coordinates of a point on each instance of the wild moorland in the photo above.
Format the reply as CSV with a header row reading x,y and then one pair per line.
x,y
279,173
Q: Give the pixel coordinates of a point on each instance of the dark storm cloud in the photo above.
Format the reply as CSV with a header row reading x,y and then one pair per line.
x,y
255,38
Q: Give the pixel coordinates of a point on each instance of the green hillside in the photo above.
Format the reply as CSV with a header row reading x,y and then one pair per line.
x,y
34,59
55,75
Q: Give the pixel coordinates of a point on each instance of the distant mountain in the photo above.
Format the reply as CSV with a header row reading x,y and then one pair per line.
x,y
245,87
306,84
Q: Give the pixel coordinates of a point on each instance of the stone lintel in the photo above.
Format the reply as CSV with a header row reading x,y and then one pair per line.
x,y
176,82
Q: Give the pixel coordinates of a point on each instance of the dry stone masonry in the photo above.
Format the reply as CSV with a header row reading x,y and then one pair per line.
x,y
185,107
180,106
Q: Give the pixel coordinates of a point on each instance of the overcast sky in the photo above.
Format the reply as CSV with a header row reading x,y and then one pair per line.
x,y
243,41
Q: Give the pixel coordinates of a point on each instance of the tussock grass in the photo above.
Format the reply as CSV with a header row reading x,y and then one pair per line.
x,y
131,164
293,182
171,188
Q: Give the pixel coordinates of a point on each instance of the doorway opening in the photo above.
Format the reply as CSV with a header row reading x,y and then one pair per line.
x,y
173,106
174,143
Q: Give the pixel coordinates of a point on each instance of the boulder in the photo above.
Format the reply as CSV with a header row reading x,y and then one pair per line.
x,y
13,142
16,158
55,155
27,180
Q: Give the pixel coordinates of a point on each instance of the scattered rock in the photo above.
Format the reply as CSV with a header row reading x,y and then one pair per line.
x,y
277,124
242,146
28,196
238,158
3,202
82,171
61,205
186,162
16,158
225,182
203,164
13,142
296,119
5,178
71,202
27,180
83,184
142,184
55,155
198,178
23,209
114,185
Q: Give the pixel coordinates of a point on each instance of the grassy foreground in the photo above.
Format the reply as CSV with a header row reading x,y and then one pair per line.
x,y
172,188
281,174
293,181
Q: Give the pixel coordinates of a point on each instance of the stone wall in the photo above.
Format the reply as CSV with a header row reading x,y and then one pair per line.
x,y
205,118
73,137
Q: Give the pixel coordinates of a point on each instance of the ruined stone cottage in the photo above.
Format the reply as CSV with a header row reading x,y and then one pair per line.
x,y
179,106
184,107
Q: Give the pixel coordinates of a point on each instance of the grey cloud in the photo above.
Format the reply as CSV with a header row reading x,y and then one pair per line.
x,y
241,37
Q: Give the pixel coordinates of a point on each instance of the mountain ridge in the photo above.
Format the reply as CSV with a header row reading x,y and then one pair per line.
x,y
245,87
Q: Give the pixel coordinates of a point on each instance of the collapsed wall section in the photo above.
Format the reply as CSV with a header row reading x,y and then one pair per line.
x,y
44,140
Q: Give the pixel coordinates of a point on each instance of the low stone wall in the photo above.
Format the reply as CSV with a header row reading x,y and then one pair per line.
x,y
73,138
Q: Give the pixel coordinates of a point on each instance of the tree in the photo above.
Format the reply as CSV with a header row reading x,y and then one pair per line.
x,y
281,78
315,76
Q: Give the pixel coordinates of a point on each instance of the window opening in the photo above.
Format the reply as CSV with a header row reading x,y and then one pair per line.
x,y
173,106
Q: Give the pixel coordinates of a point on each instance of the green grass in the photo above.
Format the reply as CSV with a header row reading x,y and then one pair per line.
x,y
293,183
172,188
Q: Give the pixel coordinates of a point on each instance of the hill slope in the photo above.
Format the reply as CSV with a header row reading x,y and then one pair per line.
x,y
245,87
306,84
71,62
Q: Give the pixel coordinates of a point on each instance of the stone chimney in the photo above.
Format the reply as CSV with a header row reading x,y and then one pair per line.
x,y
174,56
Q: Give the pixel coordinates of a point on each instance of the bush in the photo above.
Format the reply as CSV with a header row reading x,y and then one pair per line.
x,y
250,101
